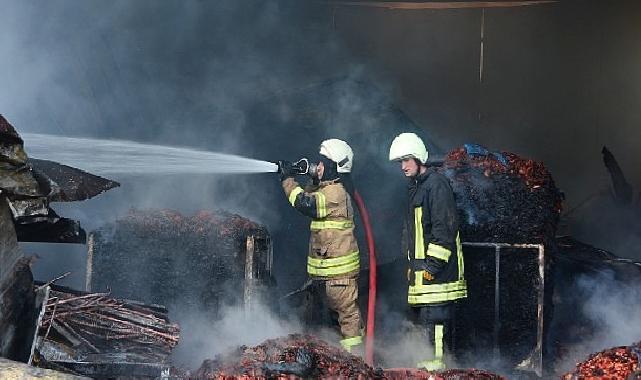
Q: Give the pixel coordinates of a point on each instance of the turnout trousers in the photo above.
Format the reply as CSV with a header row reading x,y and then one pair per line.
x,y
438,330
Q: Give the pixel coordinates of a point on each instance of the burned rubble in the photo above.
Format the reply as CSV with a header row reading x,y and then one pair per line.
x,y
299,356
94,334
28,188
614,363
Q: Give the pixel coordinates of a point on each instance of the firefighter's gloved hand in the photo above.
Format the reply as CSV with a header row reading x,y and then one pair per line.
x,y
427,276
285,170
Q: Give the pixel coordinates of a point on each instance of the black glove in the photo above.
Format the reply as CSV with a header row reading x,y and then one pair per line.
x,y
285,170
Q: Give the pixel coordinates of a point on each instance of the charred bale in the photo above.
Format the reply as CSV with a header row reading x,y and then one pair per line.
x,y
502,197
186,262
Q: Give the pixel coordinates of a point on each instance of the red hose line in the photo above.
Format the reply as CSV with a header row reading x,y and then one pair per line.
x,y
371,302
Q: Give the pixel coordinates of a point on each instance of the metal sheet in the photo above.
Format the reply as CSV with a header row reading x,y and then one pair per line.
x,y
74,184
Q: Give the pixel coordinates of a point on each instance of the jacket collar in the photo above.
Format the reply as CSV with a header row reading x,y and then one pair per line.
x,y
419,179
330,182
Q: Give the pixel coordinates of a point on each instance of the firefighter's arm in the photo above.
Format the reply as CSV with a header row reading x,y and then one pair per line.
x,y
310,204
442,211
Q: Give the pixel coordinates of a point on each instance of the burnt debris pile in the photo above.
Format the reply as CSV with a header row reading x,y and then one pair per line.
x,y
302,356
77,327
502,197
614,363
298,356
195,262
451,374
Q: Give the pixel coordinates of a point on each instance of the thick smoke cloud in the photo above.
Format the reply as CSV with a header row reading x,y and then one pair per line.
x,y
271,79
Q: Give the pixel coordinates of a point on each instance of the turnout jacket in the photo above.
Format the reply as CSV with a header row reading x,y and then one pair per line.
x,y
333,250
433,242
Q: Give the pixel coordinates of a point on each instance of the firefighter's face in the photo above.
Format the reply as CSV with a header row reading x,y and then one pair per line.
x,y
409,167
320,169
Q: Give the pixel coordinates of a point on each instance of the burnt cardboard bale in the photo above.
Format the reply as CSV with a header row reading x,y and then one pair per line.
x,y
200,261
502,197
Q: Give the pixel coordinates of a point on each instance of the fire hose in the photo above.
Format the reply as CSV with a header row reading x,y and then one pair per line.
x,y
304,167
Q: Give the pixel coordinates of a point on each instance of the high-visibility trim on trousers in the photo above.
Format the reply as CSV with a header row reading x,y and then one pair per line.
x,y
437,363
438,341
348,343
331,224
333,266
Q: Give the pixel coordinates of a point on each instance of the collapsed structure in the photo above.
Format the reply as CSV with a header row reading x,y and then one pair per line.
x,y
55,327
28,186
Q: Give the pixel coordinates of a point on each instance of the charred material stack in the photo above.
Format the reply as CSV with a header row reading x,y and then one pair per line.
x,y
452,374
614,363
97,335
502,197
188,262
299,356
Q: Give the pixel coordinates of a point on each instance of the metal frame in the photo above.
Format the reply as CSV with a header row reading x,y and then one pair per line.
x,y
534,362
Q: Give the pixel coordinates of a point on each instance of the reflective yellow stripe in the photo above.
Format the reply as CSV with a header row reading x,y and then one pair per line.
x,y
334,271
431,365
331,224
294,194
419,244
435,288
348,343
333,266
459,254
333,261
431,298
438,342
439,252
321,209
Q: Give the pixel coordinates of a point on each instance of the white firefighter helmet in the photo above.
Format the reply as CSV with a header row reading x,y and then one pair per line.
x,y
408,145
340,152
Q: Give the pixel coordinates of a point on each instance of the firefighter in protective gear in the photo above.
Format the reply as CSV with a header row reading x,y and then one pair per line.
x,y
436,267
333,256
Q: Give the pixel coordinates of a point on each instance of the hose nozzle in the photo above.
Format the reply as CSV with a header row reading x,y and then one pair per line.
x,y
300,167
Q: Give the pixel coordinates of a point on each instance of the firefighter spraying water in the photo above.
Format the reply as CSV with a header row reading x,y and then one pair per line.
x,y
334,257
